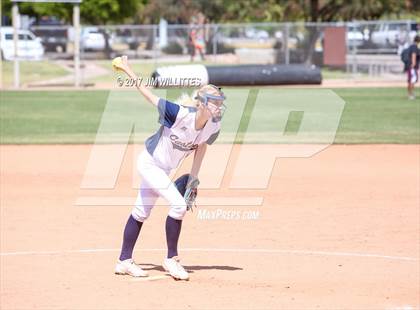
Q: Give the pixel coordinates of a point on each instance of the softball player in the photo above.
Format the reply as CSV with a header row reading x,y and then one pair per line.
x,y
183,130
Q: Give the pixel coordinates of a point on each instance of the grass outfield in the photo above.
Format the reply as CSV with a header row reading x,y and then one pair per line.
x,y
31,71
371,115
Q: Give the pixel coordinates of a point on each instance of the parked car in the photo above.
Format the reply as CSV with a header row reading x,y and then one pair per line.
x,y
29,46
252,33
393,34
92,39
132,38
52,32
355,36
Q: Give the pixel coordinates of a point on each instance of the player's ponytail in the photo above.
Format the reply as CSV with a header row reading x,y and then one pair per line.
x,y
187,100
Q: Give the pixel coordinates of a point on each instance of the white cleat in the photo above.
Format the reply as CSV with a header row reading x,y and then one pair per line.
x,y
175,269
129,267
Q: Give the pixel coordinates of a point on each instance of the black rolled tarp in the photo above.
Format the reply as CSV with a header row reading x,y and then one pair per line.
x,y
264,75
235,75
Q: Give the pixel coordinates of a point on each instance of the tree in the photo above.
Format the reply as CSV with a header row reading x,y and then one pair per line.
x,y
91,11
337,10
108,11
174,11
243,11
342,10
216,11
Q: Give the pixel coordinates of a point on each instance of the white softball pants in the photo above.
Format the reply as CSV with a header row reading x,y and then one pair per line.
x,y
155,183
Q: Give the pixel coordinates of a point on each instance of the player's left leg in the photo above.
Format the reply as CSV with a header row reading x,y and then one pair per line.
x,y
159,180
145,201
144,204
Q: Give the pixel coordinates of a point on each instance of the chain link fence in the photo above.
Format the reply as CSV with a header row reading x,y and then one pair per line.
x,y
360,47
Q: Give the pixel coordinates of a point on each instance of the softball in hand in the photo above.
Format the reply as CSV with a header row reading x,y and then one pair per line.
x,y
117,63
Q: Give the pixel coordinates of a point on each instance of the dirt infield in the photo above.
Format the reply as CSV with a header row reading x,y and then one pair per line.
x,y
337,230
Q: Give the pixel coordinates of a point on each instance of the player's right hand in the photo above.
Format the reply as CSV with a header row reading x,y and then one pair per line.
x,y
123,65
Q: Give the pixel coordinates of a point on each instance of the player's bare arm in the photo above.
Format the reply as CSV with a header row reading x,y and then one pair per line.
x,y
124,66
198,159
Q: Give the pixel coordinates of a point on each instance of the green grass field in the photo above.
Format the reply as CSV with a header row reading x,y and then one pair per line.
x,y
371,115
31,71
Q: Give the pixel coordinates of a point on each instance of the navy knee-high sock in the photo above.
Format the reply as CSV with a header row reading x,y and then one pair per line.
x,y
173,229
131,233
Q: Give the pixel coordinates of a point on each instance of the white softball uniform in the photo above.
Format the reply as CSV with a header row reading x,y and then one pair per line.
x,y
175,139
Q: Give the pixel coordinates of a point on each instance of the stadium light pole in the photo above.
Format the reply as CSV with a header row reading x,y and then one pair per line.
x,y
76,25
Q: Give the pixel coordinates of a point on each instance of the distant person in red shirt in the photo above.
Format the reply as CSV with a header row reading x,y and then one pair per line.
x,y
196,40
